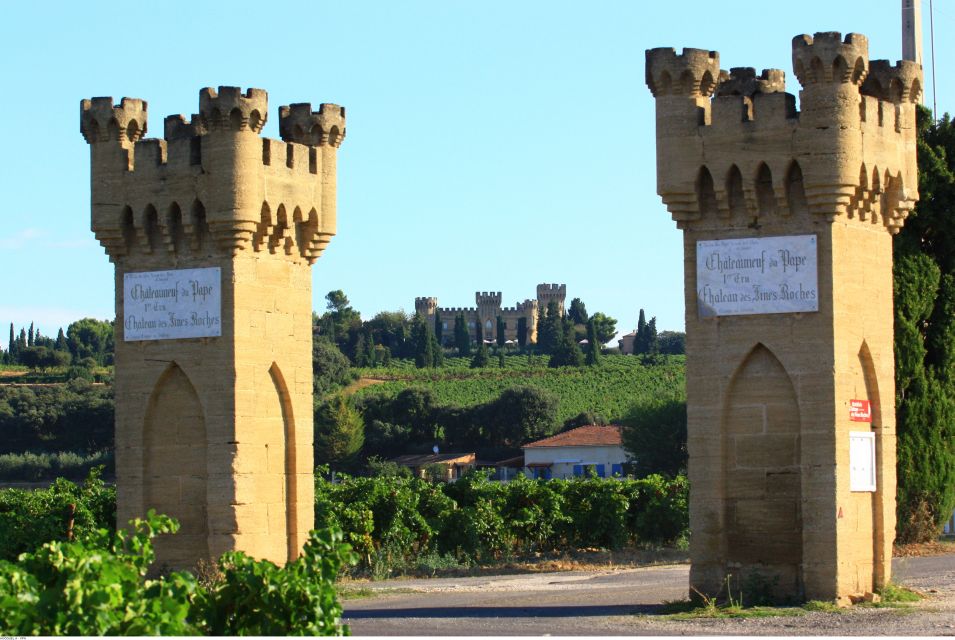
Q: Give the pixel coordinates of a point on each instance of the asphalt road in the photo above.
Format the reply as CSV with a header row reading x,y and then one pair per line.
x,y
622,602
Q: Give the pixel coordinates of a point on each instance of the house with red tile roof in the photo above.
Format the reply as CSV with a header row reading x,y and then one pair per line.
x,y
576,452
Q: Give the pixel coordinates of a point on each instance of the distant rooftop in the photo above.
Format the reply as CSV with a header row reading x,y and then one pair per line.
x,y
591,435
432,458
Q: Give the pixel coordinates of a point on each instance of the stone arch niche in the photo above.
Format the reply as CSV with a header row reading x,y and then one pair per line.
x,y
762,475
294,539
865,508
175,467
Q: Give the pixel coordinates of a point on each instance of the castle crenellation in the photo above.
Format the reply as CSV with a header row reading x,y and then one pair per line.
x,y
489,308
193,156
704,107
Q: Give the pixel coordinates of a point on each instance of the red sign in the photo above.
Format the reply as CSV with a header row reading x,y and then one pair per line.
x,y
859,411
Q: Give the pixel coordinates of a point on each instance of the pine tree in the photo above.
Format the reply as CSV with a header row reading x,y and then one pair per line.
x,y
339,432
578,311
462,337
500,332
593,344
566,352
438,328
522,332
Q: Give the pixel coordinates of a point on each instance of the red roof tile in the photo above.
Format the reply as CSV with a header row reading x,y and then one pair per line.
x,y
588,436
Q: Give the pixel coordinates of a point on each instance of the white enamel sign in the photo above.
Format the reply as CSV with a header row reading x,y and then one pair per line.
x,y
165,305
861,461
746,276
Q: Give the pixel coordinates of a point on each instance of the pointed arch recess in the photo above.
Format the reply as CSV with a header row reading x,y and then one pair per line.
x,y
293,537
175,472
871,380
761,471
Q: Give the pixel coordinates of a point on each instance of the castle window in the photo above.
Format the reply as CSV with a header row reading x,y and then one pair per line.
x,y
444,325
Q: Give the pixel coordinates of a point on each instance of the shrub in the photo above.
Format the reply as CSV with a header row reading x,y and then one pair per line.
x,y
29,519
97,586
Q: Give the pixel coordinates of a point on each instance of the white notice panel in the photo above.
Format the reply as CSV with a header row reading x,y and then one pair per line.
x,y
745,276
164,305
861,461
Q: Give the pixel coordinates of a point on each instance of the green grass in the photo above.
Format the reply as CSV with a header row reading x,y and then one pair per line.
x,y
613,390
896,594
361,593
689,610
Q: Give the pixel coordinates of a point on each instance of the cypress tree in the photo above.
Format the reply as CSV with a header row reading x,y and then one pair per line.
x,y
438,328
653,343
30,337
361,354
462,337
424,348
522,332
481,357
22,340
549,330
500,332
593,344
370,359
12,344
437,352
925,341
479,332
500,358
60,339
640,342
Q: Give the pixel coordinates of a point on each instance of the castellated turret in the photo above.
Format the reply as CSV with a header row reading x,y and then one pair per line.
x,y
802,162
213,230
425,307
787,218
208,178
547,293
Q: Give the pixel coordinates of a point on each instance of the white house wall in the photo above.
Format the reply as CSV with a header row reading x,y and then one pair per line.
x,y
563,459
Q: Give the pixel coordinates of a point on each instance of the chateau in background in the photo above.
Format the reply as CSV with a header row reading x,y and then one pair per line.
x,y
489,308
213,231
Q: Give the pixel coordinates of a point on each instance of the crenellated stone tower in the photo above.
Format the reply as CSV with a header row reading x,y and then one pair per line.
x,y
213,231
787,222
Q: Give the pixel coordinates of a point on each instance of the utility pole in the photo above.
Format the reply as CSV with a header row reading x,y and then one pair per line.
x,y
912,30
912,33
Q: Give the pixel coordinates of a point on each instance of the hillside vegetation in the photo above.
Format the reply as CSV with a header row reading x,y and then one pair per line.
x,y
613,390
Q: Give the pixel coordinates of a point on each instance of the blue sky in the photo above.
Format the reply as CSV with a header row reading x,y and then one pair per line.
x,y
491,145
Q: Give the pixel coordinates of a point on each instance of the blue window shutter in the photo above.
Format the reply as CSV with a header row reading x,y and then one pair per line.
x,y
616,469
547,473
578,470
601,470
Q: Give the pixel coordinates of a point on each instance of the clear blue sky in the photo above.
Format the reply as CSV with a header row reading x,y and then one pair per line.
x,y
491,145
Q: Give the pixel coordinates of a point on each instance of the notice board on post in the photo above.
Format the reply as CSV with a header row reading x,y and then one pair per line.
x,y
861,461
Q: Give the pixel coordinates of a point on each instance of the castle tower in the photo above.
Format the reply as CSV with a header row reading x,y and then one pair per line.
x,y
489,308
425,307
787,222
551,292
213,231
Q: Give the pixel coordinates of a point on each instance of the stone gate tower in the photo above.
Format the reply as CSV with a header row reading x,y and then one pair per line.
x,y
213,231
787,222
